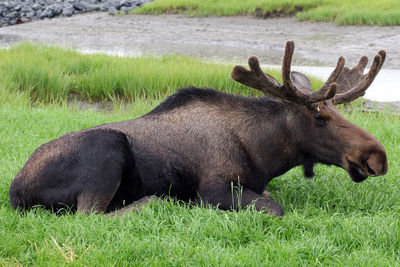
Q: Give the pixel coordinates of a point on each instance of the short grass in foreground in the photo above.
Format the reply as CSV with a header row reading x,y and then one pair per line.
x,y
343,12
329,219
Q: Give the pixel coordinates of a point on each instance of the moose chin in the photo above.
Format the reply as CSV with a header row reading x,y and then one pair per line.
x,y
199,142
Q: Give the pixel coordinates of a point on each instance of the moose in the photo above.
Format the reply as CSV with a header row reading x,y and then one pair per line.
x,y
197,143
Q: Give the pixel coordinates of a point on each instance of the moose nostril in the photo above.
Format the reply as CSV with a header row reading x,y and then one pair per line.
x,y
370,170
375,165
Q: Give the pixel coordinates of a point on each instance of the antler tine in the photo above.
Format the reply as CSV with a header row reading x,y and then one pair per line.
x,y
291,90
359,89
382,53
337,71
329,89
256,78
286,65
325,92
269,81
292,93
362,63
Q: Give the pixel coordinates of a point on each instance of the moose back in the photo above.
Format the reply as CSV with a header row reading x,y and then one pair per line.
x,y
199,142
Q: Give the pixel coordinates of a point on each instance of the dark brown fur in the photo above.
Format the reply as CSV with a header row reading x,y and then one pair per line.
x,y
200,144
195,145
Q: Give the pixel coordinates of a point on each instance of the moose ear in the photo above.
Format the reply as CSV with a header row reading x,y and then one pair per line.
x,y
301,81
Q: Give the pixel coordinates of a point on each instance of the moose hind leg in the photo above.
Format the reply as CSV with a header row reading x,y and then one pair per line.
x,y
108,165
103,182
96,200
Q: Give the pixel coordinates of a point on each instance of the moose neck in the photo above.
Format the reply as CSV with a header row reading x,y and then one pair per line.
x,y
270,140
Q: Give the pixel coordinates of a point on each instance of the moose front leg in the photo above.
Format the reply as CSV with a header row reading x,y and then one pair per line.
x,y
225,197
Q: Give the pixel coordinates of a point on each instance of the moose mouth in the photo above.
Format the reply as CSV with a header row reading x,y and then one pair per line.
x,y
356,172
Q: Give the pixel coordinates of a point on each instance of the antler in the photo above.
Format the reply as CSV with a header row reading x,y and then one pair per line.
x,y
352,83
257,79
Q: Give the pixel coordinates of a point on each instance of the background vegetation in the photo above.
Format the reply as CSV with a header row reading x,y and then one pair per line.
x,y
329,219
342,12
49,74
52,74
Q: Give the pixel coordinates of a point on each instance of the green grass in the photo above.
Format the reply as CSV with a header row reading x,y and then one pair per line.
x,y
51,74
329,220
226,7
342,12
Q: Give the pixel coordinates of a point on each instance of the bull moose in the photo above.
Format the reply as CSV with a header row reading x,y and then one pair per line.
x,y
198,142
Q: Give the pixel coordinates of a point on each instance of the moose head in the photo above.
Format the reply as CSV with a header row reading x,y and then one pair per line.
x,y
321,133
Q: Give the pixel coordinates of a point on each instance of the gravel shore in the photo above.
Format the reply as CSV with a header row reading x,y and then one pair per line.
x,y
229,39
22,11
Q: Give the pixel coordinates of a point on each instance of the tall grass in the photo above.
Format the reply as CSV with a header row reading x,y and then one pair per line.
x,y
342,12
226,7
367,12
51,74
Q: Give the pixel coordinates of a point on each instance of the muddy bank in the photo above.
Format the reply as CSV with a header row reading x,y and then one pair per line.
x,y
230,39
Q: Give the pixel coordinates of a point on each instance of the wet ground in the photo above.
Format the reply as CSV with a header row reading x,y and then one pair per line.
x,y
229,39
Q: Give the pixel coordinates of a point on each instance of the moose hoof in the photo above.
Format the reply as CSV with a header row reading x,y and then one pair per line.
x,y
277,211
266,194
272,207
135,206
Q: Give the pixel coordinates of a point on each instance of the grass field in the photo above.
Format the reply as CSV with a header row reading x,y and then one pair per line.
x,y
329,219
342,12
